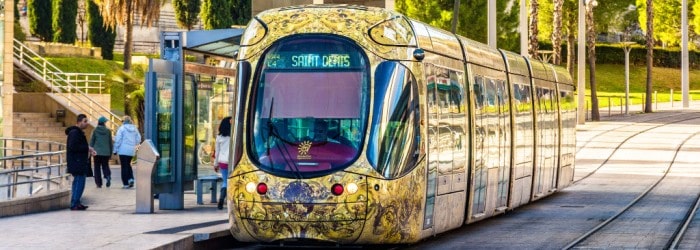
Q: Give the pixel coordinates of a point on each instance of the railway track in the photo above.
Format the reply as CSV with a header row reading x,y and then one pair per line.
x,y
659,217
683,117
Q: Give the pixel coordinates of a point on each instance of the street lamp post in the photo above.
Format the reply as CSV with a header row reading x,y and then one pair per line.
x,y
627,46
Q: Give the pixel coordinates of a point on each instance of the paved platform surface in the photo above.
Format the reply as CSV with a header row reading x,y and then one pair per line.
x,y
111,223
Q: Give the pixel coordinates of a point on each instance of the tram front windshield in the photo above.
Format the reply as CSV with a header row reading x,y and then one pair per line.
x,y
310,106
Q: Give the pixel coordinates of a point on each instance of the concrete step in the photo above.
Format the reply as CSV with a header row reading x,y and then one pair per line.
x,y
37,134
30,115
37,124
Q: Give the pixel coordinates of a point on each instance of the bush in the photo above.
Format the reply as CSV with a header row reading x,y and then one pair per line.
x,y
19,33
39,15
64,25
98,34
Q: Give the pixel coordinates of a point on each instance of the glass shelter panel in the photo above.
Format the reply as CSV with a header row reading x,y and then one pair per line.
x,y
164,124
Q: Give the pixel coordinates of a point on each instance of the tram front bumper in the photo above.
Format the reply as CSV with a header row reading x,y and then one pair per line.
x,y
300,210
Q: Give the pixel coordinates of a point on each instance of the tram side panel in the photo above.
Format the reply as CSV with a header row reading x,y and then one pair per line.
x,y
546,132
491,144
568,135
523,128
447,133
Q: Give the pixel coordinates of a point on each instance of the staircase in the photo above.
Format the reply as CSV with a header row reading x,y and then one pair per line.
x,y
38,126
64,86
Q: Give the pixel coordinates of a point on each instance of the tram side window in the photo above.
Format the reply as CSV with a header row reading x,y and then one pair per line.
x,y
479,91
394,144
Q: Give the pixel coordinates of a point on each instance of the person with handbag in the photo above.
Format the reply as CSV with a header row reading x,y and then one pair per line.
x,y
125,143
101,141
77,160
221,151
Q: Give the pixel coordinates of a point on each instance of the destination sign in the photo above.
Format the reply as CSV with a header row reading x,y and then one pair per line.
x,y
310,61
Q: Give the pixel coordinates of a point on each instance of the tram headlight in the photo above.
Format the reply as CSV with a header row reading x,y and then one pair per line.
x,y
250,187
352,188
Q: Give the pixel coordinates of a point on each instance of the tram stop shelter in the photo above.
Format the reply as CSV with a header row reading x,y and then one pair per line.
x,y
189,89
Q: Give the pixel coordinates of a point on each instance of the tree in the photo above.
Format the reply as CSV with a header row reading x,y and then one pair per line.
x,y
695,21
39,14
63,24
216,14
186,13
590,42
667,21
100,35
570,22
471,24
534,43
556,33
650,52
241,11
121,13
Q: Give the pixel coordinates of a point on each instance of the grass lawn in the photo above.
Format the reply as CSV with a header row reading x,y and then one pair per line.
x,y
610,81
98,66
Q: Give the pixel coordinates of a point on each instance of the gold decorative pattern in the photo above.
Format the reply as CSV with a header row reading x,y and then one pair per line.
x,y
381,211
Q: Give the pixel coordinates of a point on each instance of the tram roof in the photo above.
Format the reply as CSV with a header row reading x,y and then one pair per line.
x,y
220,42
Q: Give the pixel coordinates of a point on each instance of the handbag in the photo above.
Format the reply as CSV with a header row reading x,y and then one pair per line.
x,y
89,172
134,159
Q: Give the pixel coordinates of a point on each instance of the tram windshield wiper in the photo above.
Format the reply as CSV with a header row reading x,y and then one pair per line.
x,y
272,133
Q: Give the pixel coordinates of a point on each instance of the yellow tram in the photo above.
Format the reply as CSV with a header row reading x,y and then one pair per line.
x,y
359,125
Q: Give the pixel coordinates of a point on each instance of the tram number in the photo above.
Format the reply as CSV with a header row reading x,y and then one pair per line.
x,y
317,61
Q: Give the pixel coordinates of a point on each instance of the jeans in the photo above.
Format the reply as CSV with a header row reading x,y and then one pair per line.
x,y
224,177
77,190
101,163
127,171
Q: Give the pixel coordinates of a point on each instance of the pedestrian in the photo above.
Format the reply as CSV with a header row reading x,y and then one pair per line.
x,y
101,141
77,160
125,142
223,142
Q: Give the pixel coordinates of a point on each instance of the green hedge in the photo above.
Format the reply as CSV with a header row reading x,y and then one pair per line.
x,y
667,58
614,54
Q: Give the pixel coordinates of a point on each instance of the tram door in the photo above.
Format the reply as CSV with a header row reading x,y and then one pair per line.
x,y
492,145
447,148
547,111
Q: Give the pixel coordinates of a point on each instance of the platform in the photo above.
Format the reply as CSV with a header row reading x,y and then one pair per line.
x,y
110,223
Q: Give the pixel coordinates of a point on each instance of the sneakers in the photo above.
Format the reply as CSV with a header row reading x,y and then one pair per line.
x,y
109,181
79,207
131,182
126,187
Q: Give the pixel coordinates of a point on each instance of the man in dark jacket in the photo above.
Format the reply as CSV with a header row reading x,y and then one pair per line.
x,y
77,157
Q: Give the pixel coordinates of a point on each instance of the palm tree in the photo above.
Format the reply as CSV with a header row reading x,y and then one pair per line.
x,y
121,13
556,32
534,46
590,42
650,53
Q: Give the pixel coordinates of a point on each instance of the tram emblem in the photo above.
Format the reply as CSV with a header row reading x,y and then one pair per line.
x,y
304,148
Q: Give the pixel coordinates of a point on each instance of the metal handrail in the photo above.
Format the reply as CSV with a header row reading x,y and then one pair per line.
x,y
40,168
60,83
